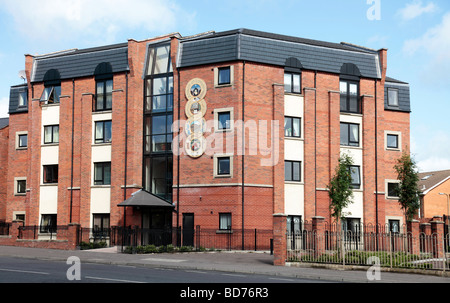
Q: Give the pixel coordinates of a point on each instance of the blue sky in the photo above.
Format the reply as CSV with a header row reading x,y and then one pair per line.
x,y
416,33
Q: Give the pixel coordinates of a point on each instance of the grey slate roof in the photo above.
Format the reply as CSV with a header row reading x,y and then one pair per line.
x,y
144,198
81,63
4,122
255,46
14,99
404,98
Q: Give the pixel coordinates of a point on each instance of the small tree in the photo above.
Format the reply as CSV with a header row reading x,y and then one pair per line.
x,y
340,189
408,189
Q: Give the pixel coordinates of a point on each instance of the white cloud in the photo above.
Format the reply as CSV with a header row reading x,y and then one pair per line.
x,y
431,150
416,9
4,107
47,20
435,46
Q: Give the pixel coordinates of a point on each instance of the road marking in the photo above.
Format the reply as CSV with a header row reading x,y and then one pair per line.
x,y
25,271
113,280
163,260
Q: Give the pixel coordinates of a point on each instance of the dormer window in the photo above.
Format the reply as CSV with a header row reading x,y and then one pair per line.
x,y
51,94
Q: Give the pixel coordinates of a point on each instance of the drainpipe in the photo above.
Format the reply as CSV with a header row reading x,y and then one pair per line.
x,y
243,149
376,157
126,149
71,169
178,156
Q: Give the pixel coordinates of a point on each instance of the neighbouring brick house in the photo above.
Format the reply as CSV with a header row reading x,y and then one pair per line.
x,y
4,138
98,139
435,191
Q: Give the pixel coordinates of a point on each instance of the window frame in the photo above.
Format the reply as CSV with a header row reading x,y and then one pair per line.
x,y
349,142
104,94
16,186
348,97
292,82
292,126
354,185
216,165
18,141
219,70
389,102
51,227
101,181
53,127
49,174
103,139
226,217
23,98
53,91
389,182
292,179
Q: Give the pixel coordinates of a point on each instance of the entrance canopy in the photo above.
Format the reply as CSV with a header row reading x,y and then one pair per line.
x,y
144,198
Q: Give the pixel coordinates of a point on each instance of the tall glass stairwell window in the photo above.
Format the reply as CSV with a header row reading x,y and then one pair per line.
x,y
158,118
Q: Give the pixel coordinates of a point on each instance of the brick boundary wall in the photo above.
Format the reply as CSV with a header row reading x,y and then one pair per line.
x,y
68,242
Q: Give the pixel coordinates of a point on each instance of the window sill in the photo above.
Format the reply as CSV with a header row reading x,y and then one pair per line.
x,y
99,112
294,138
21,148
43,104
293,94
352,147
49,184
224,231
223,85
294,182
20,194
223,176
102,144
393,149
228,130
352,114
49,144
101,186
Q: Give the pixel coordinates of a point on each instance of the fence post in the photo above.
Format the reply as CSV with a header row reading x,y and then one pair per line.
x,y
318,227
413,229
437,228
279,239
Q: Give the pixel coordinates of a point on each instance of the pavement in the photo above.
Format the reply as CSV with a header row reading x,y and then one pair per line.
x,y
225,261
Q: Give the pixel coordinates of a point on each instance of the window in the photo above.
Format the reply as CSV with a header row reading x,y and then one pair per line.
x,y
100,225
23,99
158,133
224,119
225,221
350,97
394,226
223,166
351,228
51,134
23,141
103,95
20,185
50,174
392,97
349,134
103,132
102,173
292,171
292,127
51,94
294,224
224,74
158,175
392,141
48,224
356,177
292,83
392,190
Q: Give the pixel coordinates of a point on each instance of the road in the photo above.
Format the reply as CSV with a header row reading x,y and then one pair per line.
x,y
17,270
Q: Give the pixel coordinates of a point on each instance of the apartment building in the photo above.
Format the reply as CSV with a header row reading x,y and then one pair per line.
x,y
221,130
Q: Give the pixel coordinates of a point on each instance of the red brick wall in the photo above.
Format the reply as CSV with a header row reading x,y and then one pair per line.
x,y
4,137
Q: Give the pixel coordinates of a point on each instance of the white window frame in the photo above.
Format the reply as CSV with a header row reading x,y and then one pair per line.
x,y
16,179
216,119
394,133
216,76
387,191
21,133
216,165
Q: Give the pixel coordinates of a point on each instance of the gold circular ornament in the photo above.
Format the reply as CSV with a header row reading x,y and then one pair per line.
x,y
194,108
195,146
195,126
196,89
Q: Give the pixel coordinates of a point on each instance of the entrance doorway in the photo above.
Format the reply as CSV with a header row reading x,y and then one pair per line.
x,y
188,229
156,226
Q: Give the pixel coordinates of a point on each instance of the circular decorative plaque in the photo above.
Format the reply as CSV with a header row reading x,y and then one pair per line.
x,y
196,89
